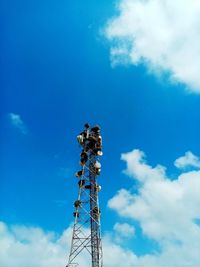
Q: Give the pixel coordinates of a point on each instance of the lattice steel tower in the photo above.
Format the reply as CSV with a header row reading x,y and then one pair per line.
x,y
86,231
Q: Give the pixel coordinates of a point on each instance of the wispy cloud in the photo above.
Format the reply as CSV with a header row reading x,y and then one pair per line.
x,y
124,230
162,34
17,122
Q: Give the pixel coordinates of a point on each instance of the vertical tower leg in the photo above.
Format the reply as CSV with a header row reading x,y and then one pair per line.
x,y
95,217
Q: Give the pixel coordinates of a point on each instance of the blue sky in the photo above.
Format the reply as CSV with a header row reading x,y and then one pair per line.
x,y
57,73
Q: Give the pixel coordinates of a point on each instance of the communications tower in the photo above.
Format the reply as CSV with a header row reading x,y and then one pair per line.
x,y
86,237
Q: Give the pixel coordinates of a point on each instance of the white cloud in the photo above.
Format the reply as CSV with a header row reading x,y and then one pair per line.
x,y
29,247
136,166
124,230
114,255
162,34
17,122
23,246
165,209
188,160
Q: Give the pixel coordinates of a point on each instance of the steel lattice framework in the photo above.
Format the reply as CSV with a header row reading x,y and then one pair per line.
x,y
86,230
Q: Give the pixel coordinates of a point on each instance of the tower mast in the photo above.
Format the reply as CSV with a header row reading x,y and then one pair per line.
x,y
86,236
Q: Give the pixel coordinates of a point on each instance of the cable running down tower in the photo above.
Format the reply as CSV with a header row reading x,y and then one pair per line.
x,y
86,235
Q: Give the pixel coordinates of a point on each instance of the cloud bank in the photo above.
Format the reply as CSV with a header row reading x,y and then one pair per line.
x,y
23,246
161,34
166,210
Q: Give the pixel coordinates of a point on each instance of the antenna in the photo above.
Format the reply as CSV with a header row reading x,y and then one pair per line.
x,y
86,236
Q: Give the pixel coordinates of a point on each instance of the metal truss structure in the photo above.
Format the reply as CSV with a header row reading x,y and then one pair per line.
x,y
86,235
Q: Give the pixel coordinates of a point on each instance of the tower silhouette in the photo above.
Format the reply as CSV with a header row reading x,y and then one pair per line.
x,y
86,236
